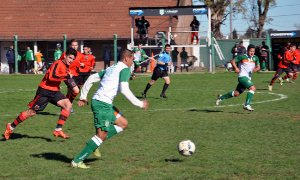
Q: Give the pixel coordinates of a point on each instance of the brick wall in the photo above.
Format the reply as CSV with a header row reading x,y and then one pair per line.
x,y
80,19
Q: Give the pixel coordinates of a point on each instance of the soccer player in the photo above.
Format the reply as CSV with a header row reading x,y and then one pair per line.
x,y
74,70
247,64
108,120
161,71
49,91
284,66
87,64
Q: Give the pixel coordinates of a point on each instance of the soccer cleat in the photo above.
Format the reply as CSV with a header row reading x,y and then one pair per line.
x,y
79,165
97,153
270,87
280,81
7,132
144,95
248,108
60,134
163,96
218,101
72,110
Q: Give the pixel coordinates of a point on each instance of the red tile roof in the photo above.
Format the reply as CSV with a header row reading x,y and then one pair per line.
x,y
80,19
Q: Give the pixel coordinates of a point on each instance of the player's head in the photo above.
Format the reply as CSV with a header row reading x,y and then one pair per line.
x,y
293,47
140,44
168,48
127,57
251,50
74,44
86,49
70,56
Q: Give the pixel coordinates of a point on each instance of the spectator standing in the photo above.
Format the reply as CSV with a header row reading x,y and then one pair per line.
x,y
195,27
106,57
39,62
10,56
57,52
234,50
142,25
241,49
29,60
183,55
264,55
174,56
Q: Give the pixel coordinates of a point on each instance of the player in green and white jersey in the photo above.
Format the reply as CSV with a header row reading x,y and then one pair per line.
x,y
247,64
108,120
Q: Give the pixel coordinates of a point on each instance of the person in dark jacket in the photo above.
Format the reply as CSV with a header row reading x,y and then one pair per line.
x,y
10,56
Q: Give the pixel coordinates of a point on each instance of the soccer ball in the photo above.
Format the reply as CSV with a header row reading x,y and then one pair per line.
x,y
186,148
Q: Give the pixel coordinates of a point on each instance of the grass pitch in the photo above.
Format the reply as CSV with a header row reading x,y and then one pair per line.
x,y
231,143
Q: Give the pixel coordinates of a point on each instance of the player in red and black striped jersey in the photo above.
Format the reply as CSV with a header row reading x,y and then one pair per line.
x,y
284,66
74,70
87,64
49,92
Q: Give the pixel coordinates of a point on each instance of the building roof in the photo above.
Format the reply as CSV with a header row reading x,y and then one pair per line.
x,y
80,19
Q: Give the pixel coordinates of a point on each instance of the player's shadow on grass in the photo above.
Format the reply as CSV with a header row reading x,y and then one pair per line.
x,y
20,136
205,110
213,111
173,160
262,89
58,157
46,114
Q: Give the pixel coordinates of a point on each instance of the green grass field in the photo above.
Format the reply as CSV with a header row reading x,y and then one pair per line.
x,y
231,143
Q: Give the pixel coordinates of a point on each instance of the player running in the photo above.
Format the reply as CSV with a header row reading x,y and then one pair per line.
x,y
49,92
248,64
161,71
108,120
284,66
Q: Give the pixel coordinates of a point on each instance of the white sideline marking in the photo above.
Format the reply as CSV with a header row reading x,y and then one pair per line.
x,y
280,97
15,90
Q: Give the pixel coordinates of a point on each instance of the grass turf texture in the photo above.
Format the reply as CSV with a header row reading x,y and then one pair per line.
x,y
231,143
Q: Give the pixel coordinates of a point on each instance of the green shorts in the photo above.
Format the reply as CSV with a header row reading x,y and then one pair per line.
x,y
105,114
244,83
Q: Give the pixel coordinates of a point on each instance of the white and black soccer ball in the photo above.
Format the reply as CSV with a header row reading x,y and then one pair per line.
x,y
186,148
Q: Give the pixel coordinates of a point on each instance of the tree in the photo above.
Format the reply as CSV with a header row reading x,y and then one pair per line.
x,y
263,8
256,12
250,33
234,34
218,15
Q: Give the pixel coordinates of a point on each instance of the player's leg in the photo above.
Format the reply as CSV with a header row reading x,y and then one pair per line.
x,y
296,72
156,74
39,103
247,83
275,77
104,119
288,74
238,90
60,100
72,90
21,118
166,85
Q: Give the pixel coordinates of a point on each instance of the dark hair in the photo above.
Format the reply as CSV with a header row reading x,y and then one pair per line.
x,y
292,44
167,45
71,51
126,53
250,47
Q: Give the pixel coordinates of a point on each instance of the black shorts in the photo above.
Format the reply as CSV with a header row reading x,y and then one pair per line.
x,y
43,97
83,77
77,79
158,73
283,70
